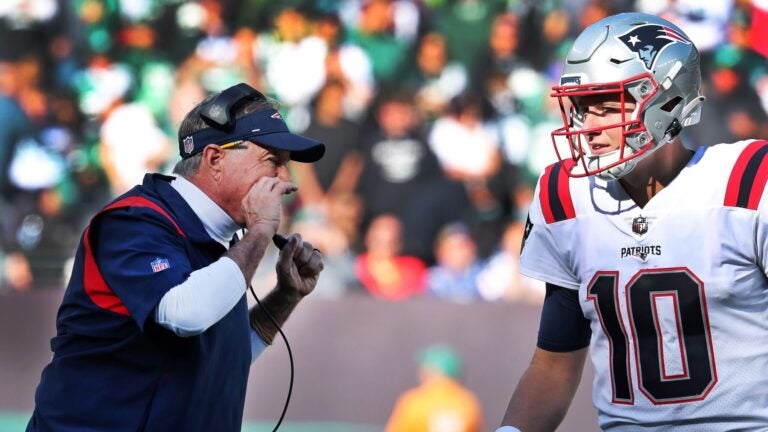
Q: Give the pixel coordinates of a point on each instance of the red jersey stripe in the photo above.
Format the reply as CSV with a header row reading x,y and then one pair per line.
x,y
748,177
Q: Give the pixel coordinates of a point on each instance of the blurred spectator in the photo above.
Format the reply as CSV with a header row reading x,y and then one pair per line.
x,y
15,274
292,58
222,58
346,211
468,149
500,56
735,111
455,276
373,33
132,144
187,90
466,146
440,403
546,36
384,272
338,171
401,175
101,85
433,78
500,278
346,63
320,226
465,25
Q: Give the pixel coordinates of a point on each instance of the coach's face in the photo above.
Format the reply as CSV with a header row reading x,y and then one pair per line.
x,y
236,170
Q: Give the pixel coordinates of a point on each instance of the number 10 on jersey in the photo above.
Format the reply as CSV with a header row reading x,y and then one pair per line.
x,y
647,289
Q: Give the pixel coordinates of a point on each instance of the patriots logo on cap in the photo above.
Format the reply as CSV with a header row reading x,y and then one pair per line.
x,y
277,116
189,144
648,40
159,264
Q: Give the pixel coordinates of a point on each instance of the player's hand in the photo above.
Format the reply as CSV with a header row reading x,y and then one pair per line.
x,y
262,205
298,267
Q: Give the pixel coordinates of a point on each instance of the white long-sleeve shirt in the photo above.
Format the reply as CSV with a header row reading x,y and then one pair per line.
x,y
190,308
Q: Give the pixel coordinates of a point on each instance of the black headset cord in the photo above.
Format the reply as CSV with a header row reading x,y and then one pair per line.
x,y
279,241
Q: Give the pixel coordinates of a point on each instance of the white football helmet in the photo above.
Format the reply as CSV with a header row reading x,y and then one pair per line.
x,y
630,55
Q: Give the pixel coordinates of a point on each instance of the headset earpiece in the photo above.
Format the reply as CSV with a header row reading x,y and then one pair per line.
x,y
219,113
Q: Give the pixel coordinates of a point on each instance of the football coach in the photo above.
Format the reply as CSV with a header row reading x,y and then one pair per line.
x,y
154,331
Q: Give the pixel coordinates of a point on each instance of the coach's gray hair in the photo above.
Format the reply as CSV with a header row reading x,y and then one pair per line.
x,y
193,122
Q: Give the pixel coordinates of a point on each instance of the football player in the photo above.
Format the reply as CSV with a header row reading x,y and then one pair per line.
x,y
654,250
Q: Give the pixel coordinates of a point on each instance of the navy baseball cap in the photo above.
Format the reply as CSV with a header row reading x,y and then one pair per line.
x,y
265,128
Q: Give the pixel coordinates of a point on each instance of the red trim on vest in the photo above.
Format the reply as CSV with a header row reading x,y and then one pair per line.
x,y
137,201
739,193
95,286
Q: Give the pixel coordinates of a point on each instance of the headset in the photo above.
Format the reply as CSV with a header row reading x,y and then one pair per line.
x,y
219,112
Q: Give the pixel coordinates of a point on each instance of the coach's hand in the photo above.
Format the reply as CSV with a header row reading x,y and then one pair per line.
x,y
298,267
262,204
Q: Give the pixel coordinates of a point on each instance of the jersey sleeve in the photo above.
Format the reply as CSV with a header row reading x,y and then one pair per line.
x,y
140,256
542,257
761,233
747,189
563,327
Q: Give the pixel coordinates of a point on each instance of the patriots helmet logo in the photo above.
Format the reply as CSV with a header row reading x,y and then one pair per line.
x,y
648,40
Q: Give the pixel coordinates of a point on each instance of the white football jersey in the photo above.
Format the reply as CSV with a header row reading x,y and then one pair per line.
x,y
676,292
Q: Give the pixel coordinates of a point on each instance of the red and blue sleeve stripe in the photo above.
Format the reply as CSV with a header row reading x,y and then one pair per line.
x,y
748,177
555,194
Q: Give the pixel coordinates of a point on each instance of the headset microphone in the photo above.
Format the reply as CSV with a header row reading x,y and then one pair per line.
x,y
280,242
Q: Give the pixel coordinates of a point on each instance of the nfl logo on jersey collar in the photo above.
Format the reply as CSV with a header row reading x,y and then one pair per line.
x,y
640,225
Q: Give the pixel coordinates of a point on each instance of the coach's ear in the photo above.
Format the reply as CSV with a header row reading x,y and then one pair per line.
x,y
211,161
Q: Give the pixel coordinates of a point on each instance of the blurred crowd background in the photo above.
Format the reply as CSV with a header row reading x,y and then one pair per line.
x,y
436,115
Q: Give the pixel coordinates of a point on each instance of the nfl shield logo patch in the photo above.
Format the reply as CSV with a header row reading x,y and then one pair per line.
x,y
640,225
277,116
189,144
159,264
